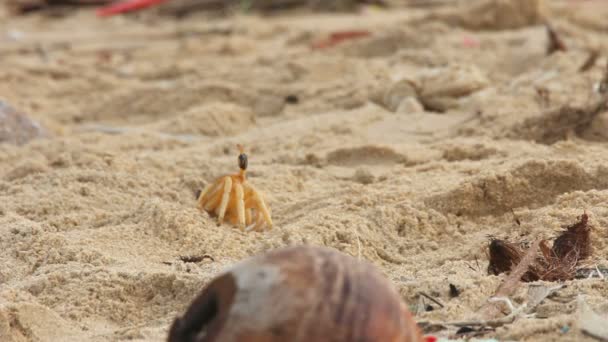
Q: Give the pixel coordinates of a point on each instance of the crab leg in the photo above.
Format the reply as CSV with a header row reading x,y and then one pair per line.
x,y
251,209
263,209
250,203
259,222
247,215
213,197
240,204
250,212
260,205
203,193
207,192
214,201
251,226
225,199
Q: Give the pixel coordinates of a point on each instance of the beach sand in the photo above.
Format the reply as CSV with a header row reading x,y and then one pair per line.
x,y
408,148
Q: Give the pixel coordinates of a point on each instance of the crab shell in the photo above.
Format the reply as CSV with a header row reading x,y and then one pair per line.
x,y
297,294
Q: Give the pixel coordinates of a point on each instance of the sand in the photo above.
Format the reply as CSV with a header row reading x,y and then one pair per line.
x,y
408,148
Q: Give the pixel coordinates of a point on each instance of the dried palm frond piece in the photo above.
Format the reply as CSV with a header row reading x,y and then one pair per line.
x,y
555,263
567,120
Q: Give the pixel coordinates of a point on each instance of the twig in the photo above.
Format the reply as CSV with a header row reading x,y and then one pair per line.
x,y
191,259
431,298
195,258
590,61
555,42
489,323
515,312
515,217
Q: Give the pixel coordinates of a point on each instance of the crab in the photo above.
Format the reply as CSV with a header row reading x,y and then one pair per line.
x,y
233,198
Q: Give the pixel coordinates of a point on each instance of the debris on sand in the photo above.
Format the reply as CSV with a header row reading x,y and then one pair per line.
x,y
491,309
504,256
442,88
27,6
184,7
555,263
434,89
574,242
397,95
191,259
494,14
567,120
180,8
560,123
555,41
16,128
589,63
454,291
338,37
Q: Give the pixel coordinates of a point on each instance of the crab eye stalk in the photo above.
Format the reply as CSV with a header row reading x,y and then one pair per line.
x,y
243,161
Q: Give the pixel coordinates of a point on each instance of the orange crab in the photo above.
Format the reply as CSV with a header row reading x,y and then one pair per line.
x,y
233,198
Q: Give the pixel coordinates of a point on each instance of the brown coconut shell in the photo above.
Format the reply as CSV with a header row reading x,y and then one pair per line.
x,y
297,294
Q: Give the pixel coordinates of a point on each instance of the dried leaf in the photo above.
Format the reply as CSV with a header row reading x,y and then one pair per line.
x,y
574,243
590,61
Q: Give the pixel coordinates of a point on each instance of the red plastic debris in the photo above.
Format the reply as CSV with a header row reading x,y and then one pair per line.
x,y
430,338
126,6
338,37
470,42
